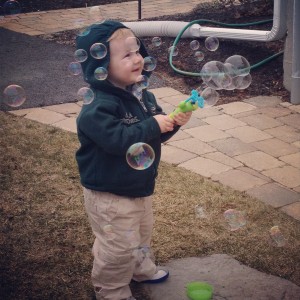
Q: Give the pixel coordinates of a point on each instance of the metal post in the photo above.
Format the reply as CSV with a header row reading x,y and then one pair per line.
x,y
140,9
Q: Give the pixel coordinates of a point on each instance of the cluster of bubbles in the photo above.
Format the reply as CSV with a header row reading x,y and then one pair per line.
x,y
234,73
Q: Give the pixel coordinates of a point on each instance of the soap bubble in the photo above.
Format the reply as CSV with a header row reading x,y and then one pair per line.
x,y
235,219
175,50
142,81
240,65
141,253
132,237
149,63
140,156
213,74
132,44
224,80
242,82
98,50
199,55
201,88
100,73
210,96
156,41
86,95
199,211
14,95
75,68
211,43
83,31
11,7
109,232
194,45
80,55
277,236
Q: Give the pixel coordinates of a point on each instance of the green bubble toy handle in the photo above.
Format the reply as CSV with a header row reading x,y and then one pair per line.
x,y
190,104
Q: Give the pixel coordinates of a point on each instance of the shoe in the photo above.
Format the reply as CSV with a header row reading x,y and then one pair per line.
x,y
160,276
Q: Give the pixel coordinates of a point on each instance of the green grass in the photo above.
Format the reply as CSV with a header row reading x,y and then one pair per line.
x,y
45,242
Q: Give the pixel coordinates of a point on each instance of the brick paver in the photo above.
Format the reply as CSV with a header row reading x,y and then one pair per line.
x,y
207,133
224,122
236,108
259,160
263,101
174,155
292,210
239,180
193,145
274,194
261,121
275,147
292,159
205,167
284,133
248,134
292,120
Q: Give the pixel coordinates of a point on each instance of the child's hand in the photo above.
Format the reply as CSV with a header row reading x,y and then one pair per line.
x,y
165,123
182,118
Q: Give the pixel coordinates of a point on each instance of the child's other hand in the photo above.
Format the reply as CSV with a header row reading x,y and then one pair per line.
x,y
182,118
165,123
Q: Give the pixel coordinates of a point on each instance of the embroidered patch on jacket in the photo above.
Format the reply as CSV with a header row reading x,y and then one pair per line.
x,y
130,119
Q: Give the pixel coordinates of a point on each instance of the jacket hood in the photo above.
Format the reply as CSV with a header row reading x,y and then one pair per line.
x,y
100,33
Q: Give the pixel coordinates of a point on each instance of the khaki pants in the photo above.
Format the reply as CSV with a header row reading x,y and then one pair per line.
x,y
122,227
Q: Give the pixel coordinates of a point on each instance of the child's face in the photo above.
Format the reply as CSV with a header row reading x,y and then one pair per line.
x,y
124,66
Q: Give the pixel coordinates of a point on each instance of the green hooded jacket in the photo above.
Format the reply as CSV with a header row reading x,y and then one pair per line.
x,y
111,123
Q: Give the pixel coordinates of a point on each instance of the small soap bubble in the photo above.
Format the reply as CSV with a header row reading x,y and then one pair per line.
x,y
200,212
137,91
86,95
100,73
277,236
239,64
132,238
14,95
174,49
142,253
75,68
132,44
140,156
199,55
149,63
142,81
211,43
84,31
235,219
11,7
201,88
156,41
109,232
243,82
80,55
98,50
210,96
194,45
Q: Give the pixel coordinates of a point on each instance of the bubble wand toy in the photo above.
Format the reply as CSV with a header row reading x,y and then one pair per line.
x,y
190,104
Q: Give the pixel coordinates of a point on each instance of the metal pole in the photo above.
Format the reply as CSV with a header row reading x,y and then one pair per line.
x,y
140,9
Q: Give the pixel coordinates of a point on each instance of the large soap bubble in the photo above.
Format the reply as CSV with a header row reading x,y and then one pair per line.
x,y
14,95
132,44
239,65
213,74
140,156
98,50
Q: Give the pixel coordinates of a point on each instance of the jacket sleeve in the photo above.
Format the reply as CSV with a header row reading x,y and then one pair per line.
x,y
102,125
167,135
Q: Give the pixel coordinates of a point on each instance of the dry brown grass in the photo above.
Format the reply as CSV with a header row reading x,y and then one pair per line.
x,y
46,240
